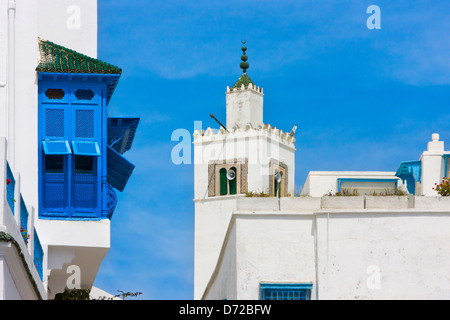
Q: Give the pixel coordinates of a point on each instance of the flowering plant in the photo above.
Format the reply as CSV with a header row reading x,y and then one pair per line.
x,y
443,189
25,234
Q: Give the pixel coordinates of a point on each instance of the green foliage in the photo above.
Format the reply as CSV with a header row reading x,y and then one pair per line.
x,y
256,194
73,294
390,192
346,192
83,294
443,189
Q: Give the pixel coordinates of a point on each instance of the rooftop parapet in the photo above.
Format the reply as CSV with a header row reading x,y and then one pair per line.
x,y
249,131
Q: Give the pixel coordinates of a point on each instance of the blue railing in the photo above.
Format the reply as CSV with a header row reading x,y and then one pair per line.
x,y
24,220
10,187
38,254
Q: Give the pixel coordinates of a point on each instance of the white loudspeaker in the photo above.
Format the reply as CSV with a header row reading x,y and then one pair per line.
x,y
231,174
277,176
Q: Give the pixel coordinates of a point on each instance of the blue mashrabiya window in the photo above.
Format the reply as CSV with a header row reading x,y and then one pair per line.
x,y
70,132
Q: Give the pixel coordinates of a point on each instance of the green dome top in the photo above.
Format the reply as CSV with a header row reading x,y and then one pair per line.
x,y
243,80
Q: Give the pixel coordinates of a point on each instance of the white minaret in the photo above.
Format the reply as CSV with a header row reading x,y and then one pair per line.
x,y
246,156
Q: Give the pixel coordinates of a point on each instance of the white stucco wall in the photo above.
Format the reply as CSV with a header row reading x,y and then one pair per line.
x,y
8,290
70,23
225,285
270,249
399,253
407,251
212,218
244,106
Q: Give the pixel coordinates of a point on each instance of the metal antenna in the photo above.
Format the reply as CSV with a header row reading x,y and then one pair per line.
x,y
211,115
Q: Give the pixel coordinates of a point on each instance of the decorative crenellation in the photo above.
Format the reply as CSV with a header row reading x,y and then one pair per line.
x,y
250,86
236,132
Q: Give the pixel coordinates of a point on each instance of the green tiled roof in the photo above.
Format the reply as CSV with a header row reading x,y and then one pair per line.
x,y
56,58
245,80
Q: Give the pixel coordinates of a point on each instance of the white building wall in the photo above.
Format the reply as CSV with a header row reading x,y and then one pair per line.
x,y
212,214
268,249
212,218
8,290
70,23
3,61
244,106
225,286
383,255
346,254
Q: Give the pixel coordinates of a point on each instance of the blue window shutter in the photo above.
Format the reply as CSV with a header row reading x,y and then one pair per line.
x,y
86,148
85,192
56,147
55,188
119,169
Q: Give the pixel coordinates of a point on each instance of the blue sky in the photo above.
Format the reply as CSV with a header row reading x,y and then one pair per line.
x,y
362,99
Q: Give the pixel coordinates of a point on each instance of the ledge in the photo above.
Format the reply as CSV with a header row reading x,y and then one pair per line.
x,y
309,204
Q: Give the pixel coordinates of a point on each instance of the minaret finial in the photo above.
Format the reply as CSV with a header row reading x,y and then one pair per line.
x,y
244,63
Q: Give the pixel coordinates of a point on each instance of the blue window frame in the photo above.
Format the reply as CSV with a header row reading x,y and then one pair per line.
x,y
286,291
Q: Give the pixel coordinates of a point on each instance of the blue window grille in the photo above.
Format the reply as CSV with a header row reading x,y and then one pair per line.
x,y
291,291
23,220
10,188
38,255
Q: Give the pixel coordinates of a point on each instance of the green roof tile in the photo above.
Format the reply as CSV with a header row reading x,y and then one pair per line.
x,y
56,58
243,80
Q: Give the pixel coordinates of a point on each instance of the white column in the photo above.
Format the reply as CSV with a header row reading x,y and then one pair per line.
x,y
432,166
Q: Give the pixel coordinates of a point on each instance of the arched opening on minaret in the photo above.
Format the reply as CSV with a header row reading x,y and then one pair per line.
x,y
223,182
232,181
